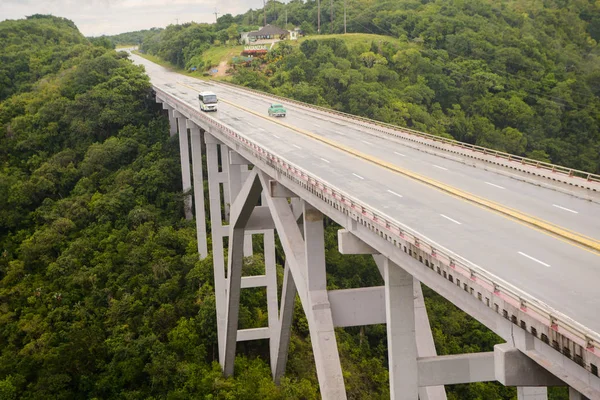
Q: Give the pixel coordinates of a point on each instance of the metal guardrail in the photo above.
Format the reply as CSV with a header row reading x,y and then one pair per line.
x,y
588,339
570,172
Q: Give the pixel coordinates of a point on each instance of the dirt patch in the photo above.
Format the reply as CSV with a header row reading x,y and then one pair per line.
x,y
222,68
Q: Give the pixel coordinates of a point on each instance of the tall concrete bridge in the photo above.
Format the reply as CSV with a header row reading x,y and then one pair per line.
x,y
512,242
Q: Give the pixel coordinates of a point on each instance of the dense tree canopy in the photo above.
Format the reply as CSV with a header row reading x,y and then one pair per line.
x,y
518,76
102,294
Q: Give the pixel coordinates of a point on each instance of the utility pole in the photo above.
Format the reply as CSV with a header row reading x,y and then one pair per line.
x,y
331,15
177,21
265,12
344,17
318,16
286,18
216,15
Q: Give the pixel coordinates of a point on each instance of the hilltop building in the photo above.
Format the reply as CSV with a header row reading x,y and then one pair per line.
x,y
268,34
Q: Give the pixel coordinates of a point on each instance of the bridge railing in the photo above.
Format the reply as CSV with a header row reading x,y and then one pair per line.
x,y
391,230
569,172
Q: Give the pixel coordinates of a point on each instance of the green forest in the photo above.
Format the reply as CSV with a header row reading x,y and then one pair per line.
x,y
518,76
102,294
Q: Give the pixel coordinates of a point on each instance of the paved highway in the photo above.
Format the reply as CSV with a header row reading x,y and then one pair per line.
x,y
557,272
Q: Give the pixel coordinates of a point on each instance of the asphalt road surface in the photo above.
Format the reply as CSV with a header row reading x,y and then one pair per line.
x,y
559,273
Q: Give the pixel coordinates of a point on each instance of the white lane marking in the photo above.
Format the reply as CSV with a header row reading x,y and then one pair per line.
x,y
276,136
450,219
296,146
339,133
327,161
566,209
318,126
534,259
400,154
494,185
437,166
394,193
358,176
369,143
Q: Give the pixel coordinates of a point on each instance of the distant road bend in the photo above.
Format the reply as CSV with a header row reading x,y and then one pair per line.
x,y
543,241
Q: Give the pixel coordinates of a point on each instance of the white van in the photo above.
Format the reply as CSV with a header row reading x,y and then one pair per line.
x,y
208,101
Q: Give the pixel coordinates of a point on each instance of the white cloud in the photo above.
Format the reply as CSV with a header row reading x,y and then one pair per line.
x,y
109,17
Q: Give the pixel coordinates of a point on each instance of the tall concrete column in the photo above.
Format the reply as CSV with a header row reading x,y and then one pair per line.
x,y
280,341
198,183
184,156
172,120
349,244
322,333
425,343
400,324
315,302
575,395
225,170
532,393
246,198
217,234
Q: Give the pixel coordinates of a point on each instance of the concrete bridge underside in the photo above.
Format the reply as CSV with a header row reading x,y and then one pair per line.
x,y
247,199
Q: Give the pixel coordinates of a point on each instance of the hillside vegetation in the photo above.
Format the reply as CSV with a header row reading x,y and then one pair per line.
x,y
102,295
513,75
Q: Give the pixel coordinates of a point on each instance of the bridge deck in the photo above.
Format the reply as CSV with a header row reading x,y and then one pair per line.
x,y
563,275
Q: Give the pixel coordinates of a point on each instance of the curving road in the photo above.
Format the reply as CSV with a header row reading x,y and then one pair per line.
x,y
559,273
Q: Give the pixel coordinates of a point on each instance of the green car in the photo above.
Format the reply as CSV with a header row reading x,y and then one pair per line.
x,y
277,110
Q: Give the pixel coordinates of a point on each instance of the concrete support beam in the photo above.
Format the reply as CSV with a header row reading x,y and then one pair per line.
x,y
350,244
425,343
198,184
184,156
532,393
237,159
244,335
307,266
575,395
217,234
225,167
314,247
254,281
241,210
322,334
271,274
276,189
281,336
402,346
513,368
172,120
454,369
210,139
356,307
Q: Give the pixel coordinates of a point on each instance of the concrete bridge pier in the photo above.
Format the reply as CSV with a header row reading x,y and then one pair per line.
x,y
198,185
401,333
184,156
247,200
238,220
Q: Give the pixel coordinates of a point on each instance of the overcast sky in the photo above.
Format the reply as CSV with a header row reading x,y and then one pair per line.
x,y
109,17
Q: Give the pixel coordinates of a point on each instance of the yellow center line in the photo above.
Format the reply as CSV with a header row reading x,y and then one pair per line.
x,y
585,242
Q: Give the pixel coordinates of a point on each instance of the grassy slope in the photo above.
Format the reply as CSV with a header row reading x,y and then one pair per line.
x,y
217,54
352,38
